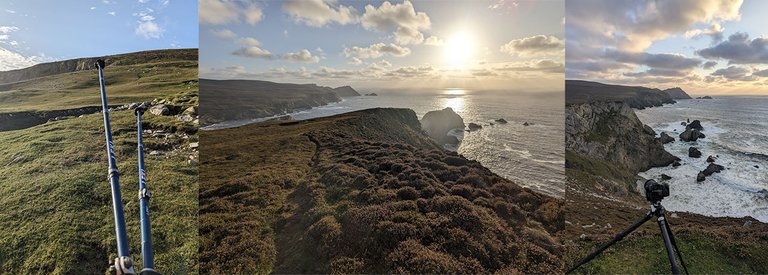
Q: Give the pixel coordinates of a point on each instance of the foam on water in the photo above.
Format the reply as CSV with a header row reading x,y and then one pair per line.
x,y
738,142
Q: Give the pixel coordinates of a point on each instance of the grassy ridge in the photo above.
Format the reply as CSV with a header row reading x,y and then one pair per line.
x,y
363,192
56,213
136,82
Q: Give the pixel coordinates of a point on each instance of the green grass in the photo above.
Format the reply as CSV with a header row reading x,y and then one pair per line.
x,y
703,254
57,214
125,84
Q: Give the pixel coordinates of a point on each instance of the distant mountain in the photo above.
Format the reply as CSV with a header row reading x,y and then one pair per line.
x,y
87,63
225,100
677,93
578,91
346,91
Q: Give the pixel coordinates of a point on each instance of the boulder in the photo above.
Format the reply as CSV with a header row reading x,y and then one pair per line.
x,y
683,123
696,124
186,118
501,121
676,163
691,135
711,158
665,177
474,126
191,111
526,124
713,168
694,152
160,110
437,124
648,130
666,138
700,177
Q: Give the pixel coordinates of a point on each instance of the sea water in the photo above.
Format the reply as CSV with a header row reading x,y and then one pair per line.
x,y
531,156
736,129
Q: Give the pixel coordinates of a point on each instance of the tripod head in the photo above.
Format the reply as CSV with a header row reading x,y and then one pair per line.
x,y
655,192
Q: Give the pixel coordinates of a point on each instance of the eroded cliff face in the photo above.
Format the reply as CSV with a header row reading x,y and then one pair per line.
x,y
612,133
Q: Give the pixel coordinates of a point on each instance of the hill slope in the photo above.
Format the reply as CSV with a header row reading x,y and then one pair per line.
x,y
345,91
363,192
677,93
578,91
225,100
56,213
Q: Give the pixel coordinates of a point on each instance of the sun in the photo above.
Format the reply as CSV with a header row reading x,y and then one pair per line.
x,y
459,50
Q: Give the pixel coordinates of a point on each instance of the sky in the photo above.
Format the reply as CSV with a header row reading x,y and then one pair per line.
x,y
35,31
487,44
706,47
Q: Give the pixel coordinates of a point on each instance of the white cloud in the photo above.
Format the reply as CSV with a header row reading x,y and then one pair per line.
x,y
376,51
93,8
355,61
433,41
13,60
149,29
112,13
301,56
318,13
8,29
402,19
217,12
537,44
253,14
225,34
250,41
254,52
715,32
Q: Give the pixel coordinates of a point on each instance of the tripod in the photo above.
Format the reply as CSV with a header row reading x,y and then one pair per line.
x,y
655,192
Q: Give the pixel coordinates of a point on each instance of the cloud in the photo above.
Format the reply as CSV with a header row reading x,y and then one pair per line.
x,y
715,32
412,72
534,45
709,65
301,56
738,49
662,60
217,12
318,13
402,19
112,13
376,51
13,60
355,61
762,73
254,52
545,66
250,41
8,29
147,26
434,41
225,34
735,73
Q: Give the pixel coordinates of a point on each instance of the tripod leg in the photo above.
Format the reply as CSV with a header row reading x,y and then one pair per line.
x,y
668,244
612,241
674,244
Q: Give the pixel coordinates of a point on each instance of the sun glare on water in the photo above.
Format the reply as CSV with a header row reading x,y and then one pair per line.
x,y
459,50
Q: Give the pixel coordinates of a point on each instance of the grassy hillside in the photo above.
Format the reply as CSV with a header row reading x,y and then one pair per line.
x,y
363,192
131,78
225,100
55,197
578,91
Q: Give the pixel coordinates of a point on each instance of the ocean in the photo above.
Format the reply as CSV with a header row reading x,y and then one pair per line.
x,y
736,129
531,156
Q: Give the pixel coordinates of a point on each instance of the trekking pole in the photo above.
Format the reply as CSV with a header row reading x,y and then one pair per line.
x,y
123,263
147,258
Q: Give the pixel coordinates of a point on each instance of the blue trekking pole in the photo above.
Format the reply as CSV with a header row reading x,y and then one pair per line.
x,y
147,259
123,263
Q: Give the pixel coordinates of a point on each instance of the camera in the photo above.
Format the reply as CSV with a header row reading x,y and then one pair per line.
x,y
655,192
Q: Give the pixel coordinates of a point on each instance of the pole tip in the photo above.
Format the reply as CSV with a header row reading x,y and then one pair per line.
x,y
100,63
140,109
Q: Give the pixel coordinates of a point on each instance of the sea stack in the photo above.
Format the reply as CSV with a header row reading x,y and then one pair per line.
x,y
437,124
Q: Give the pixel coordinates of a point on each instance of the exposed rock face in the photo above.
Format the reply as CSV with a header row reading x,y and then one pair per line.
x,y
700,177
666,138
691,135
474,126
21,120
695,124
160,110
611,132
346,91
711,158
677,93
648,130
713,168
694,152
437,124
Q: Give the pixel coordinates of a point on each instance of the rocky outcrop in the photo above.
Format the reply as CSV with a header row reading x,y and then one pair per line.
x,y
474,126
712,168
694,152
21,120
691,135
501,121
677,93
664,138
345,91
80,64
695,124
437,124
611,132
